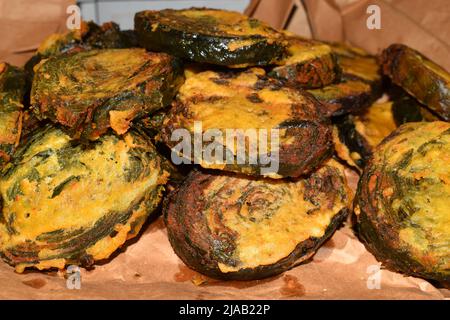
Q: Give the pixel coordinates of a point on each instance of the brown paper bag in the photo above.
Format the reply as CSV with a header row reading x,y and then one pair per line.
x,y
423,25
24,24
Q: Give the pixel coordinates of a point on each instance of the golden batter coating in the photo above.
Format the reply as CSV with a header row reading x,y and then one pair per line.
x,y
70,203
90,91
248,100
236,227
402,202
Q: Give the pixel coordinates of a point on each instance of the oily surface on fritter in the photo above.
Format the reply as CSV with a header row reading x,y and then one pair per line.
x,y
403,197
91,91
12,90
248,100
426,81
209,35
234,227
72,203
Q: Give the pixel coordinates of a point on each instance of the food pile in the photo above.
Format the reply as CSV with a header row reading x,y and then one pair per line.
x,y
90,133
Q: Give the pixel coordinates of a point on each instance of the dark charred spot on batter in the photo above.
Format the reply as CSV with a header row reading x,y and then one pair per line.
x,y
221,81
254,98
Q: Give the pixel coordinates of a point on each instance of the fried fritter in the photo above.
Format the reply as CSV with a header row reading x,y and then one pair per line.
x,y
235,227
402,202
88,37
213,36
70,203
221,102
90,91
426,81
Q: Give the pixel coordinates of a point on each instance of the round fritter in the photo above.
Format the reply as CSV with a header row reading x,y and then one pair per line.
x,y
308,64
402,202
90,91
420,77
89,36
70,203
210,36
235,227
12,91
267,118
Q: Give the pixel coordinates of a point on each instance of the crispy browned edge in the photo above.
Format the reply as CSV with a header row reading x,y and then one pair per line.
x,y
180,211
376,236
159,88
311,148
426,86
314,73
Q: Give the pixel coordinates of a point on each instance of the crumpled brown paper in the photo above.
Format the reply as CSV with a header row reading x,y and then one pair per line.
x,y
24,24
147,268
424,25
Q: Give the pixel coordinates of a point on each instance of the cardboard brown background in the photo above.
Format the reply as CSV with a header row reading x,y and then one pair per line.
x,y
24,24
422,24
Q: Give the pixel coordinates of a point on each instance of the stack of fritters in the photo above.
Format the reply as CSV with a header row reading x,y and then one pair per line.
x,y
81,181
237,220
231,222
106,117
69,203
402,202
